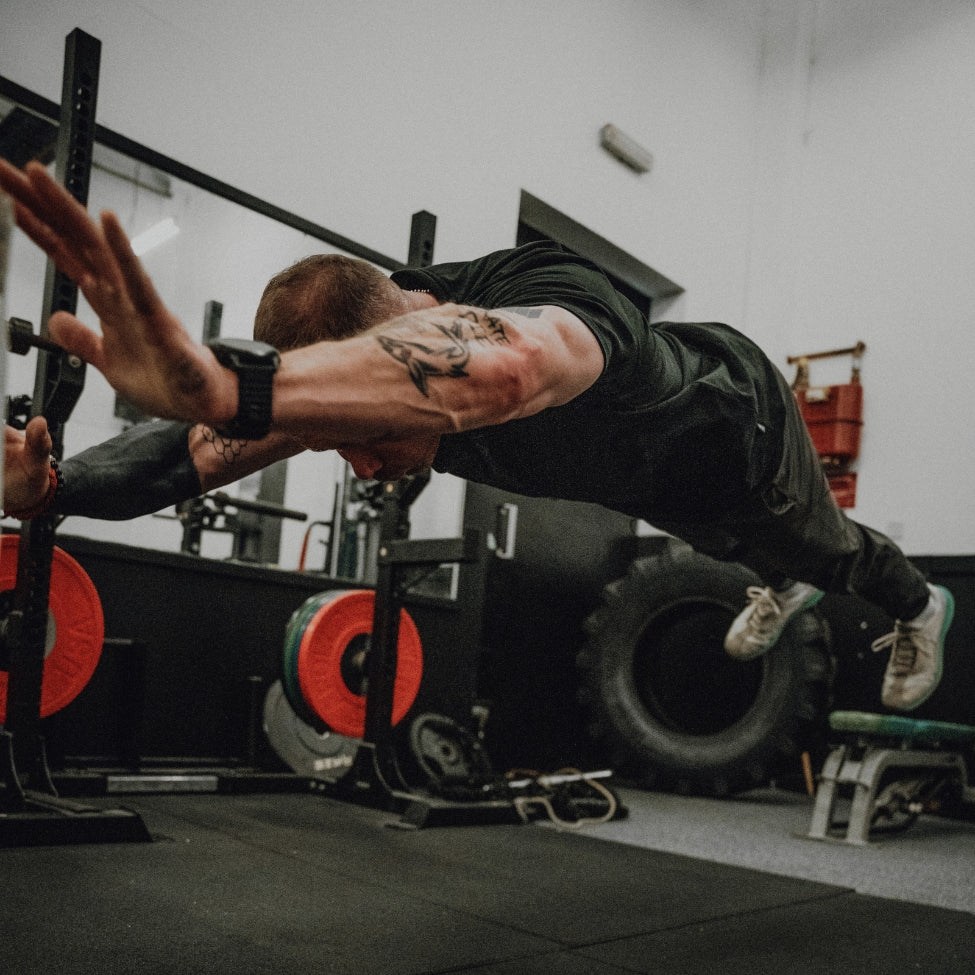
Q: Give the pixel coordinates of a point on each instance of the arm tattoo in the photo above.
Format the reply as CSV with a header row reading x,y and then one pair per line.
x,y
229,450
443,349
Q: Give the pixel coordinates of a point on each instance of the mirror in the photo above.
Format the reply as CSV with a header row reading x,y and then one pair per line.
x,y
199,247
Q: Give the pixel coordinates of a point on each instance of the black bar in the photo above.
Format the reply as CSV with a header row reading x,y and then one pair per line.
x,y
258,507
112,140
72,161
431,551
383,651
212,318
423,229
82,58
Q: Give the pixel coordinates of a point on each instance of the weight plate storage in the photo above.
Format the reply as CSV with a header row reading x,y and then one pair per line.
x,y
75,627
325,661
327,755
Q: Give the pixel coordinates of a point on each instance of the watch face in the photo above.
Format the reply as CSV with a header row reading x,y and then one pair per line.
x,y
245,352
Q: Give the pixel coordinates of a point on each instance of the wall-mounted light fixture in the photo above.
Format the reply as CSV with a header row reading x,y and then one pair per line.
x,y
625,149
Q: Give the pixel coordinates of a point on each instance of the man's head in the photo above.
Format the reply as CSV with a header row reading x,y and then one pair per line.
x,y
328,297
325,297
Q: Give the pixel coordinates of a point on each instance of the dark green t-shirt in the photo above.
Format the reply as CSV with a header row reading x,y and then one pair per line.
x,y
682,425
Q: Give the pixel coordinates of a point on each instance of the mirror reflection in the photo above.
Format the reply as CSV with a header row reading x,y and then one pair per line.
x,y
209,258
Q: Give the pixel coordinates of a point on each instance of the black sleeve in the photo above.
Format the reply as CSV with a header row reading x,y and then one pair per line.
x,y
145,469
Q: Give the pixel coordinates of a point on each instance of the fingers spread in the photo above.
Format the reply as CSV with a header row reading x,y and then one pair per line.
x,y
59,209
48,242
13,181
54,220
140,289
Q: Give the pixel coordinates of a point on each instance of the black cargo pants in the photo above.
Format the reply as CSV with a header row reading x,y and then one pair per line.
x,y
792,529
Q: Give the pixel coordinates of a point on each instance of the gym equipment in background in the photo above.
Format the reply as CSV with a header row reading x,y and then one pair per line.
x,y
318,689
675,711
892,769
32,810
25,777
75,628
341,675
209,512
319,755
326,649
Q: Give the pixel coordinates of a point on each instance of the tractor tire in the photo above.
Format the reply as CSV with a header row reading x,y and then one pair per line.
x,y
674,711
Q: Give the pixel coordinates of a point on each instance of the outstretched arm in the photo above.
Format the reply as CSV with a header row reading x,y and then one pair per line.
x,y
145,469
435,371
430,372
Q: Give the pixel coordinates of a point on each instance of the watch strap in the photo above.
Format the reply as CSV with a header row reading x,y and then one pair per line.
x,y
255,382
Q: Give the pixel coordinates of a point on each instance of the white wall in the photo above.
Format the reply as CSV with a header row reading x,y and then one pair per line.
x,y
812,182
865,229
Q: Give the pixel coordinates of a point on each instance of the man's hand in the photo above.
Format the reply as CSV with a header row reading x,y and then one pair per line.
x,y
143,350
27,465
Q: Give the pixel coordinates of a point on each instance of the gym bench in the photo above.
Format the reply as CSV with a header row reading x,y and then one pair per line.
x,y
896,768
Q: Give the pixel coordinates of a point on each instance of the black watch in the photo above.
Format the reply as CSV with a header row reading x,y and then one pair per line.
x,y
255,364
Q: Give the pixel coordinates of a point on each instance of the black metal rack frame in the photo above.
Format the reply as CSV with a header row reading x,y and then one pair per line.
x,y
31,812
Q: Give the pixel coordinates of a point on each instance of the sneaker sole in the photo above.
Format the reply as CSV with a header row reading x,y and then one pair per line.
x,y
808,604
949,616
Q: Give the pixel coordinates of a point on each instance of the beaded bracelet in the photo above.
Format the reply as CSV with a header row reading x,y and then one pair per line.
x,y
56,481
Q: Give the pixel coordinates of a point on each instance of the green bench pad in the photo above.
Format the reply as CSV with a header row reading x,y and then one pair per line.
x,y
898,726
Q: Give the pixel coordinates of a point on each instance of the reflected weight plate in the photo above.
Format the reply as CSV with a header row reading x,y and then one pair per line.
x,y
75,628
326,645
325,756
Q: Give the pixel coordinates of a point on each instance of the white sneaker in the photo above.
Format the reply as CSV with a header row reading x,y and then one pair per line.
x,y
759,625
916,653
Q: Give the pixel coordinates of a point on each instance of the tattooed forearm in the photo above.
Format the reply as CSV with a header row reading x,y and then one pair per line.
x,y
442,348
229,450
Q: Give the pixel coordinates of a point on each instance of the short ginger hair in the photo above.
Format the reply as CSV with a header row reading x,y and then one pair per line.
x,y
324,297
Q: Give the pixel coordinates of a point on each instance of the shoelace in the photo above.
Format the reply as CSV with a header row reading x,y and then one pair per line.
x,y
767,610
903,653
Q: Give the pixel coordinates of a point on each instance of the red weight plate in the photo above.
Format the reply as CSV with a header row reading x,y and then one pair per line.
x,y
324,643
79,628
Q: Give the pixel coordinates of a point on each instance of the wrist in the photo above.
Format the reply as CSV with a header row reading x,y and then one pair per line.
x,y
254,365
223,407
54,484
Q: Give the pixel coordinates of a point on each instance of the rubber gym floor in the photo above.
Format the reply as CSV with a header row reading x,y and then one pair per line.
x,y
299,882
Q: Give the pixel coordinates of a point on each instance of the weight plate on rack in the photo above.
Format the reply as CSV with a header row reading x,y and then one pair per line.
x,y
448,753
325,656
75,627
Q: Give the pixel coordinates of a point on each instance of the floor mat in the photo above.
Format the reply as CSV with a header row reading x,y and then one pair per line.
x,y
299,883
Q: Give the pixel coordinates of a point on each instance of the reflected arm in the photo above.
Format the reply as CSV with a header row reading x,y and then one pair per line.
x,y
154,465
